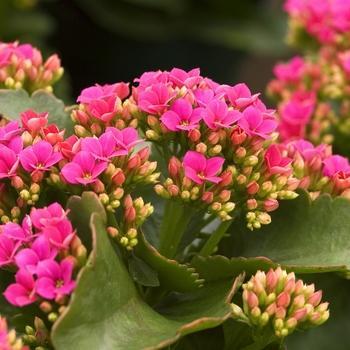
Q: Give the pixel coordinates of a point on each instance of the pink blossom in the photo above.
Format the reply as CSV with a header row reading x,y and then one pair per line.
x,y
103,109
103,148
60,235
182,78
203,96
239,95
335,164
28,258
22,292
217,115
54,279
69,147
102,92
39,157
17,232
47,216
307,150
8,249
276,162
10,136
154,99
200,169
344,58
53,134
181,116
291,71
8,162
84,169
254,123
34,122
125,139
148,79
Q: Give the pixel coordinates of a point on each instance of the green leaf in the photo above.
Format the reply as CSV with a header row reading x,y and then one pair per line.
x,y
304,236
106,312
80,211
14,102
172,275
142,273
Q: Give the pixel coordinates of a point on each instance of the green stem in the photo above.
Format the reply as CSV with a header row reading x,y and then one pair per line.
x,y
175,220
214,239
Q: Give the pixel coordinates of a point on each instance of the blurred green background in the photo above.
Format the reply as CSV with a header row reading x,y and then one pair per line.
x,y
110,40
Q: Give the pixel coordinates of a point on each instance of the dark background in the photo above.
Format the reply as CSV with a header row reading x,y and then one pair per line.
x,y
111,40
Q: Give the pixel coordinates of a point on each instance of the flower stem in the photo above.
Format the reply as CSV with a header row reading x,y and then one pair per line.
x,y
214,239
175,220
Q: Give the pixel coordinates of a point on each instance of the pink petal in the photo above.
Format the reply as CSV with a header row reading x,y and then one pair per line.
x,y
214,165
195,160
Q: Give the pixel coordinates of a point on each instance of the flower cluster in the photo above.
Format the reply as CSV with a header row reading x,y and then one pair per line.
x,y
43,251
278,299
8,339
327,21
312,91
22,66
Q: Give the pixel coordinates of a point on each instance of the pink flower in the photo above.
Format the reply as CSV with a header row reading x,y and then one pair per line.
x,y
182,78
69,147
217,115
8,249
151,78
154,99
101,92
203,96
8,162
103,148
335,164
199,169
34,122
28,258
39,157
239,95
276,163
22,292
103,109
307,150
60,235
344,58
17,232
10,136
181,116
254,123
54,280
47,216
291,71
84,169
125,139
53,134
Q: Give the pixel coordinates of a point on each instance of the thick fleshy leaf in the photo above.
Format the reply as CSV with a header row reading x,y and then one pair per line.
x,y
13,102
172,275
106,311
80,211
305,236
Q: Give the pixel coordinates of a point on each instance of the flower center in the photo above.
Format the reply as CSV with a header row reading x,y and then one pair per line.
x,y
59,283
87,176
201,176
185,123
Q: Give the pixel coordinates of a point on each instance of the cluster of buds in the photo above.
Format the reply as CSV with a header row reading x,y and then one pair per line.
x,y
135,212
327,22
103,106
44,253
22,66
8,338
278,300
38,336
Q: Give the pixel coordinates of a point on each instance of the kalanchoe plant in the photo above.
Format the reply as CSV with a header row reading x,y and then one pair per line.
x,y
110,214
